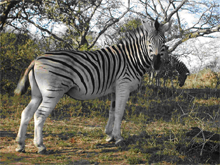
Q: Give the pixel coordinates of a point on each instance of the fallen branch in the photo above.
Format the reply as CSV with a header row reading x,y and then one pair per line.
x,y
201,134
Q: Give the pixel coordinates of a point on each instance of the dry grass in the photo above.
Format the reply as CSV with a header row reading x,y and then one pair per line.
x,y
154,128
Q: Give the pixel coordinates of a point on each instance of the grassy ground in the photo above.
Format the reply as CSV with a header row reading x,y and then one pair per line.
x,y
154,128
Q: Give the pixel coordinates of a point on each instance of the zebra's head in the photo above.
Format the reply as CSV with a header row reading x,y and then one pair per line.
x,y
155,41
182,77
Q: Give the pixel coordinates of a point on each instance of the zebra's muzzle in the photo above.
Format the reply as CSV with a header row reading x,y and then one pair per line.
x,y
156,62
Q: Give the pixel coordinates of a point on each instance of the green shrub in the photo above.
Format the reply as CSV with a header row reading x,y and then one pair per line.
x,y
16,53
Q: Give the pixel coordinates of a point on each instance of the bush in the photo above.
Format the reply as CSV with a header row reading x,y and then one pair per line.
x,y
16,53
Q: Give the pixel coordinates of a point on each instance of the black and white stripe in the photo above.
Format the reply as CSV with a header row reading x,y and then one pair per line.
x,y
98,70
116,69
174,67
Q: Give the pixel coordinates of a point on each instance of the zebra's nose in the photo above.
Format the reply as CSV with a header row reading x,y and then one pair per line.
x,y
181,84
156,62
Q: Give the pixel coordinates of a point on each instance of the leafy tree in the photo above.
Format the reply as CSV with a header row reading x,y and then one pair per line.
x,y
83,22
77,19
120,29
16,53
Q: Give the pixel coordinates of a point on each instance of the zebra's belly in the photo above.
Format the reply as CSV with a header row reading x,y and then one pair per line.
x,y
82,95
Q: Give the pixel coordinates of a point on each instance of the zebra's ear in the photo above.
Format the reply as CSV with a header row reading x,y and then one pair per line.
x,y
166,26
147,24
166,47
157,24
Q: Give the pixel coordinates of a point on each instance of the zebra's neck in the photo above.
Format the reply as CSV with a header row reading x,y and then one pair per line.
x,y
179,65
135,50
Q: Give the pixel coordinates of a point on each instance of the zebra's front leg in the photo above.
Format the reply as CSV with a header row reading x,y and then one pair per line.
x,y
111,119
122,95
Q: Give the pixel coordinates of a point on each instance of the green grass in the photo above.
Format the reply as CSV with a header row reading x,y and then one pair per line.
x,y
154,128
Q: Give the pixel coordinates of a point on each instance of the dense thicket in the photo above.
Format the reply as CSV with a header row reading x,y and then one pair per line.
x,y
16,53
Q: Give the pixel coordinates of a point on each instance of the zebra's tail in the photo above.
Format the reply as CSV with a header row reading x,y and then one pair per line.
x,y
23,82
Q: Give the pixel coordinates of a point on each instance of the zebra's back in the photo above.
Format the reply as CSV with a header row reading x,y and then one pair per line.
x,y
86,74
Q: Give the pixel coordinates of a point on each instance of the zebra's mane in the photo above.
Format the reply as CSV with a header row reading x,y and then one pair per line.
x,y
136,34
176,61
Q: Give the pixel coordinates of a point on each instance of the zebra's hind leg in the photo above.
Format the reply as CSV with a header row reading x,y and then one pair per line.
x,y
44,110
26,116
28,113
111,119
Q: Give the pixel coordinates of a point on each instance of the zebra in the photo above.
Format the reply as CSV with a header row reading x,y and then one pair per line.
x,y
174,67
83,75
154,73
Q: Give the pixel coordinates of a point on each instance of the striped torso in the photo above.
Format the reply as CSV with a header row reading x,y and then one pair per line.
x,y
87,75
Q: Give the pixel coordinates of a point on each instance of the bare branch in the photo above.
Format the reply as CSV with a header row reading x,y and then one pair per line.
x,y
198,33
161,6
201,19
178,18
49,32
4,16
176,9
114,20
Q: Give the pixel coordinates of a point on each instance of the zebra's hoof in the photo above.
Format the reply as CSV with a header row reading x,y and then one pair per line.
x,y
110,139
43,152
20,150
120,143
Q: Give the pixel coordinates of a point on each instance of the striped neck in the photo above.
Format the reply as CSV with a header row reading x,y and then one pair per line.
x,y
180,66
135,49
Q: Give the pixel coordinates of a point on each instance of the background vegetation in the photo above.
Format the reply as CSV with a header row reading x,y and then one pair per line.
x,y
16,53
80,24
